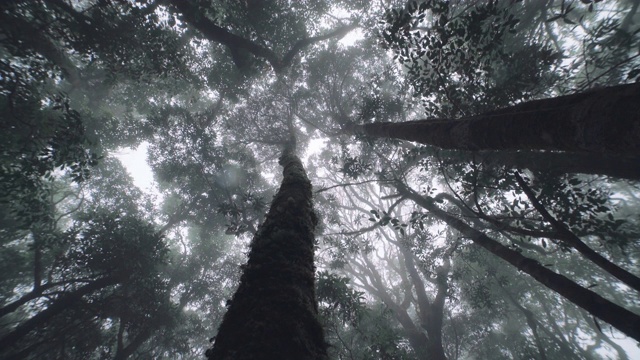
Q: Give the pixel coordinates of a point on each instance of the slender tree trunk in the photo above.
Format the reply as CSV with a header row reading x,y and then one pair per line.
x,y
531,321
123,352
273,314
430,312
37,266
599,121
416,336
434,327
621,318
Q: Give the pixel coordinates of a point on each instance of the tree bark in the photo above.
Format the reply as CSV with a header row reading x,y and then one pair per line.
x,y
621,318
273,314
556,162
599,121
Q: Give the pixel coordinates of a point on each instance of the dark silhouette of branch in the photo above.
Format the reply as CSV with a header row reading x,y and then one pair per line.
x,y
621,318
58,306
348,184
566,235
236,44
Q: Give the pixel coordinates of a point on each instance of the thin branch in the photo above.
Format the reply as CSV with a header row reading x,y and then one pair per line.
x,y
565,234
350,184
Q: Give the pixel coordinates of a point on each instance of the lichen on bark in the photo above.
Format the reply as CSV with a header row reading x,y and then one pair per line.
x,y
273,314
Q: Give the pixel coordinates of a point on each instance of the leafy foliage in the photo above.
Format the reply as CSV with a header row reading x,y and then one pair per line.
x,y
148,275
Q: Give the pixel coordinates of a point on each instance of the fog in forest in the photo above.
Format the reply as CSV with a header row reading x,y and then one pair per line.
x,y
320,179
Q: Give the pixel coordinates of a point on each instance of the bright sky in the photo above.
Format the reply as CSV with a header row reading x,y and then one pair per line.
x,y
351,38
135,161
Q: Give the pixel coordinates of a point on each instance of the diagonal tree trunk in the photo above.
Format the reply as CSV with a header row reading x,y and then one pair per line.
x,y
273,314
570,239
605,121
621,318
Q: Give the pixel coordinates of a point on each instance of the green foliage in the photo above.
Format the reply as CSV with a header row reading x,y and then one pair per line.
x,y
81,80
108,244
42,137
338,299
465,61
353,328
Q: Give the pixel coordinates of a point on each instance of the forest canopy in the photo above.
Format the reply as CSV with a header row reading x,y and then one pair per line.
x,y
332,179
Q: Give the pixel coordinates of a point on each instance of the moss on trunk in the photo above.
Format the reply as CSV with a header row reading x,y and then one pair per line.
x,y
603,121
273,314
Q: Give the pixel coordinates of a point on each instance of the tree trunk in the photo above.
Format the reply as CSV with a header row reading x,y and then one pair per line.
x,y
621,318
273,314
123,352
555,162
430,312
415,335
599,121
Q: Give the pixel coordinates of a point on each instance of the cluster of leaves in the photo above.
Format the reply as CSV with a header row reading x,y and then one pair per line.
x,y
336,298
103,36
355,167
610,54
383,218
112,244
585,207
104,270
42,137
351,326
341,248
457,59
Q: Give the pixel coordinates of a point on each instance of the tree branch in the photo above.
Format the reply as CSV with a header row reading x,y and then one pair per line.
x,y
192,15
566,235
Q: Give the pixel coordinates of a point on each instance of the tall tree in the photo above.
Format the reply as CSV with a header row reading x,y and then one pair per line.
x,y
206,84
273,314
599,121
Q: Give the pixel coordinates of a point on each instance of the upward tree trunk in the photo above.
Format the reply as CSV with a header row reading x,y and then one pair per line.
x,y
430,312
273,314
599,121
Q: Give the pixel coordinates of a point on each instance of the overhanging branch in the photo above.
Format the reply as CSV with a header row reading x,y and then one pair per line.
x,y
192,15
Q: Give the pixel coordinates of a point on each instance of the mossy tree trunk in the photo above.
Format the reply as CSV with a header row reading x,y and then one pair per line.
x,y
273,314
603,121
